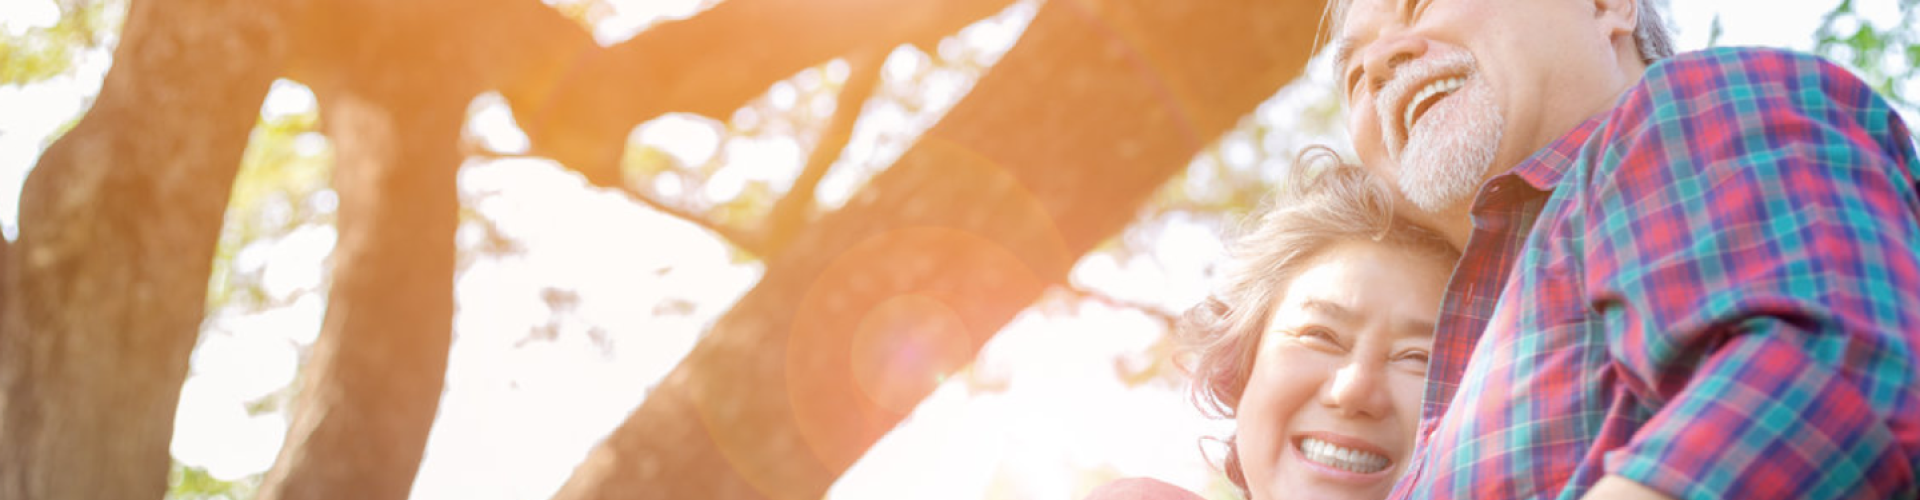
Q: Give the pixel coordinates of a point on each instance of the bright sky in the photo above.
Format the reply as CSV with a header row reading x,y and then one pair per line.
x,y
519,414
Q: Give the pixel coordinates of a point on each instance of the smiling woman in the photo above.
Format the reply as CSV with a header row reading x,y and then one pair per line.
x,y
1318,347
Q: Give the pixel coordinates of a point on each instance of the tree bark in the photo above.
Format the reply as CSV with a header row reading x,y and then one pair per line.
x,y
372,386
795,208
108,280
394,81
713,63
860,318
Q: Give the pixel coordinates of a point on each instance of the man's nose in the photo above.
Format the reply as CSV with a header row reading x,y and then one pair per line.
x,y
1357,389
1389,53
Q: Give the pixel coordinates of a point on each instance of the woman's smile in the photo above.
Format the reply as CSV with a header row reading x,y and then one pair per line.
x,y
1357,460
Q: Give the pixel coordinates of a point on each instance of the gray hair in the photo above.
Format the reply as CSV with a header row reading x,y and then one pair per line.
x,y
1320,203
1651,36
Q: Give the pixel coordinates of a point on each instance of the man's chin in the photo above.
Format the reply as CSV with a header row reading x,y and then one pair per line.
x,y
1441,173
1439,188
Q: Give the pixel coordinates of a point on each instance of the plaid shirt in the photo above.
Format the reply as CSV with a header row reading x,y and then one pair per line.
x,y
1712,289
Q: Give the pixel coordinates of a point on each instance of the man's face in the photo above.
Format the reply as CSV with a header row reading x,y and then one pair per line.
x,y
1444,94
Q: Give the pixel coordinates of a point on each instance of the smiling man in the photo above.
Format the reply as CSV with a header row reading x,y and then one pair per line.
x,y
1692,276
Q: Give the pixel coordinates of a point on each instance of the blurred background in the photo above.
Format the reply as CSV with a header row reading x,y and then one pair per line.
x,y
574,301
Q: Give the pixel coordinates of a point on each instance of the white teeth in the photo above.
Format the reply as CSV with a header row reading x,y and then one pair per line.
x,y
1432,89
1346,459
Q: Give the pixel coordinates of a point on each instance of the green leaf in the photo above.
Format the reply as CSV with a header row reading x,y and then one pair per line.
x,y
1714,32
43,53
194,483
31,59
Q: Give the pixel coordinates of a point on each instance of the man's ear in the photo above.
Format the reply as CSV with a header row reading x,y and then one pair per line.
x,y
1617,18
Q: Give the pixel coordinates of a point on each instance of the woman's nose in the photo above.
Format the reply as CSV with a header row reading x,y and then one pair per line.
x,y
1386,55
1357,389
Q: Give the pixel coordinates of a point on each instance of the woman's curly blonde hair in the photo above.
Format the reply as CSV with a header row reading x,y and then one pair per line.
x,y
1321,202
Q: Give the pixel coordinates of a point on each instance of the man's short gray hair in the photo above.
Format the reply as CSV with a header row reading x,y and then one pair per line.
x,y
1651,35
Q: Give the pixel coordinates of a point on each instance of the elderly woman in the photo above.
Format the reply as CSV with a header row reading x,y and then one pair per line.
x,y
1318,346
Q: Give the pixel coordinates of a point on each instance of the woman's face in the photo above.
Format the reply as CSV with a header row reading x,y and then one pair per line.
x,y
1331,406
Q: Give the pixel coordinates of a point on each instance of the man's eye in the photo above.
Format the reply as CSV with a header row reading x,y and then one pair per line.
x,y
1414,357
1420,7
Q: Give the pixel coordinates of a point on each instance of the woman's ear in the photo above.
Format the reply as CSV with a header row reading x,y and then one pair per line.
x,y
1617,18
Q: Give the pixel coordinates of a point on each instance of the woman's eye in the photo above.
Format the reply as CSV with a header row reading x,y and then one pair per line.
x,y
1415,357
1320,336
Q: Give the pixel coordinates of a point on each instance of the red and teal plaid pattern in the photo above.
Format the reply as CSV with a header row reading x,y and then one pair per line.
x,y
1712,289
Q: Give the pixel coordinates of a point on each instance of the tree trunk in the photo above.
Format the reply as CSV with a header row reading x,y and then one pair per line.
x,y
370,391
394,81
860,318
107,284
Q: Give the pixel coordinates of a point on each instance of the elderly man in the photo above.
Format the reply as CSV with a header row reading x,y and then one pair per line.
x,y
1692,276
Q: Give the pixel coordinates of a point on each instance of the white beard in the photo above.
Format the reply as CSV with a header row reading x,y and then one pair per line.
x,y
1450,149
1444,157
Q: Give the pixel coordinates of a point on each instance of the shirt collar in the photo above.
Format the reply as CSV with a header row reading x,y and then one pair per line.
x,y
1543,170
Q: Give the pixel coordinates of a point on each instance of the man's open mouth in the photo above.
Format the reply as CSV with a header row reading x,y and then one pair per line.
x,y
1426,98
1416,89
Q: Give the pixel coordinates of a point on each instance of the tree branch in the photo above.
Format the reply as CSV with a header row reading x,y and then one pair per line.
x,y
394,81
788,214
746,240
750,241
713,63
1165,317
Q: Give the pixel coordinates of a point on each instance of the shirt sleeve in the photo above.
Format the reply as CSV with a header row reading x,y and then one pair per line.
x,y
1754,254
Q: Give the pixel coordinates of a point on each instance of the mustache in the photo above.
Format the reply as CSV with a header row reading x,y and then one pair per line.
x,y
1390,103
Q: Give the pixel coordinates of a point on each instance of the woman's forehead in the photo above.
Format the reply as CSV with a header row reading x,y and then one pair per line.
x,y
1367,282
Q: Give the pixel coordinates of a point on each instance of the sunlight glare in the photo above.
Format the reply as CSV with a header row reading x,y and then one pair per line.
x,y
18,16
212,430
287,98
246,365
490,120
755,158
690,138
632,16
298,261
